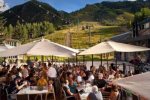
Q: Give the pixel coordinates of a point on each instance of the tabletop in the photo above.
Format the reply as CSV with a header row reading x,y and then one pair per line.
x,y
33,90
87,88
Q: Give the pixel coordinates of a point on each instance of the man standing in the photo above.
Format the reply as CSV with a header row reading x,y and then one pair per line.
x,y
25,72
52,73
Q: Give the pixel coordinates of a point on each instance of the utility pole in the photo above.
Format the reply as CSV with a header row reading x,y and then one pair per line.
x,y
77,43
77,25
69,37
89,27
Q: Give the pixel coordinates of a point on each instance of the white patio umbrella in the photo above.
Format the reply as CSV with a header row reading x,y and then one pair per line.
x,y
5,47
41,47
139,84
111,46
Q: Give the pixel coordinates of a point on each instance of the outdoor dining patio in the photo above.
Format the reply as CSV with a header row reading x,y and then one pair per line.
x,y
48,80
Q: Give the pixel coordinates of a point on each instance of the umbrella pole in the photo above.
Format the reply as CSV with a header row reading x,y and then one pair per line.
x,y
76,59
92,60
42,59
101,59
34,58
68,61
107,61
83,59
52,59
116,58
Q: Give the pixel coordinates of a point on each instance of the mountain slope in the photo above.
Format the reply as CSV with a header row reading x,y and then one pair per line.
x,y
33,11
108,12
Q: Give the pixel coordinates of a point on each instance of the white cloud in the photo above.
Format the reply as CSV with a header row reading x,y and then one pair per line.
x,y
3,6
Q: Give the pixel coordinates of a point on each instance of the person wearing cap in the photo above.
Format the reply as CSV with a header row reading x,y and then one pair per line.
x,y
95,94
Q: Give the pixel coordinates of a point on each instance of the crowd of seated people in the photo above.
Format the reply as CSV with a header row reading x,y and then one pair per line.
x,y
66,77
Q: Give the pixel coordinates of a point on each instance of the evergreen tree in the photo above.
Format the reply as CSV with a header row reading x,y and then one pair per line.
x,y
2,22
144,13
10,31
23,32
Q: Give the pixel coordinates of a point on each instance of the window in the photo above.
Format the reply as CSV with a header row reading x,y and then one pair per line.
x,y
146,25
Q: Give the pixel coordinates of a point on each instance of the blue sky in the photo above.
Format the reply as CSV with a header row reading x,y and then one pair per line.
x,y
66,5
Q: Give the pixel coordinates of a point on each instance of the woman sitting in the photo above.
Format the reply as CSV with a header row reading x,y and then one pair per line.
x,y
114,93
99,81
73,86
42,81
67,91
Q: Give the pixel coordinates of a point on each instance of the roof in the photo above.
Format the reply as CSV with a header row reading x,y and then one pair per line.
x,y
145,21
124,37
12,40
127,37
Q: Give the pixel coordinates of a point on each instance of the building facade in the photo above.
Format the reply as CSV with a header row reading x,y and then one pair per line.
x,y
12,42
139,35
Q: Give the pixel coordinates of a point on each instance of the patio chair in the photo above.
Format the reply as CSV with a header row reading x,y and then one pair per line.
x,y
67,97
105,95
10,96
22,97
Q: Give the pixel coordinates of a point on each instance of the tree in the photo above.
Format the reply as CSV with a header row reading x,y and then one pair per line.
x,y
2,22
143,13
26,31
24,34
9,32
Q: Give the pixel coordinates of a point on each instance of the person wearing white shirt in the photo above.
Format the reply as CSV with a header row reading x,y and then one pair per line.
x,y
52,73
111,76
95,94
79,79
20,72
25,72
91,77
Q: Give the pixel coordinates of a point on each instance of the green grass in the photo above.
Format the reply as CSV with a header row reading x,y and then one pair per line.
x,y
65,59
80,38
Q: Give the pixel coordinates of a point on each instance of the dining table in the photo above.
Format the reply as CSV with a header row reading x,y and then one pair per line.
x,y
34,90
84,90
